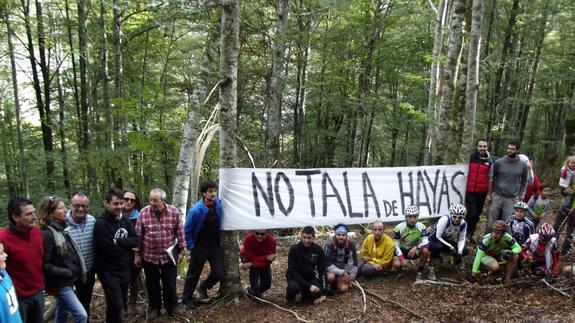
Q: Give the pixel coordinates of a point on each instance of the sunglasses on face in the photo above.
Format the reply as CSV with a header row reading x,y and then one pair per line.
x,y
127,199
80,206
457,217
261,234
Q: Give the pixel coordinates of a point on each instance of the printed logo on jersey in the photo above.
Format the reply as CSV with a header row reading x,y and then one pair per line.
x,y
12,301
121,234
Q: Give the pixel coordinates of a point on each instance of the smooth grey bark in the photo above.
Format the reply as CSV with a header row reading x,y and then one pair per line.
x,y
434,82
22,164
276,85
444,136
185,183
472,80
228,104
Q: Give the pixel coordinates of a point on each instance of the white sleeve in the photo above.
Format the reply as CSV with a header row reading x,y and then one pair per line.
x,y
441,224
461,241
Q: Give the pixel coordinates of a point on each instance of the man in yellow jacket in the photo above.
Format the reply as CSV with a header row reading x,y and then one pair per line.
x,y
377,252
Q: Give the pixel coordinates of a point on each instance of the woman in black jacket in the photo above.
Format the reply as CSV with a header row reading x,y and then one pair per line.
x,y
63,264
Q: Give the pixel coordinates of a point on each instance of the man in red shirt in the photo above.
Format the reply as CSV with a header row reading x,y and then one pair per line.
x,y
477,185
23,242
258,253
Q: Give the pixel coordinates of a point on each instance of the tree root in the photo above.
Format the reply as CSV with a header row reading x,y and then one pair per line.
x,y
299,318
376,295
555,288
362,294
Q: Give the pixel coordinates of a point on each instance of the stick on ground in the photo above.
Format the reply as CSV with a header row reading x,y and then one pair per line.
x,y
299,318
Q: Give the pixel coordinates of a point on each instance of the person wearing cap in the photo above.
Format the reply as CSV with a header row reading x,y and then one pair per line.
x,y
411,242
341,260
519,226
448,235
258,253
494,247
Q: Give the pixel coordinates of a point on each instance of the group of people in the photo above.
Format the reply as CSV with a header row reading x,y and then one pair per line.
x,y
63,254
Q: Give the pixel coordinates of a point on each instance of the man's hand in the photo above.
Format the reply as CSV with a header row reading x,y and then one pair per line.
x,y
568,191
180,256
411,253
366,258
404,265
457,259
314,289
137,260
488,199
246,265
319,300
271,257
377,267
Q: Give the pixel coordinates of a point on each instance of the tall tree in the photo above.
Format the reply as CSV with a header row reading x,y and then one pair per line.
x,y
444,136
22,164
276,87
228,122
472,79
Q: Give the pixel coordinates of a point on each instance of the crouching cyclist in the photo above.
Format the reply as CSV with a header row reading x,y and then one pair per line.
x,y
448,235
541,251
494,247
411,242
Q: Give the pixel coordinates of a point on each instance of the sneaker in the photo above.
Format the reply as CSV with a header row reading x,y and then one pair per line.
x,y
431,274
204,298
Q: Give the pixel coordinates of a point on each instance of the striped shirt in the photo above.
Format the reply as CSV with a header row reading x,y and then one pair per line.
x,y
158,235
83,234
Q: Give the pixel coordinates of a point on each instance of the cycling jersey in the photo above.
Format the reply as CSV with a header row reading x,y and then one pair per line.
x,y
405,237
447,233
543,253
520,229
490,247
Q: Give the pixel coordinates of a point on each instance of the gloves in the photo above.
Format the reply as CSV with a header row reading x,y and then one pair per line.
x,y
472,278
454,252
507,255
457,259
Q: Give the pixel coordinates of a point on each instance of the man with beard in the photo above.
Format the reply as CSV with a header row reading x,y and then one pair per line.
x,y
81,227
341,260
258,253
114,238
159,227
507,183
202,230
477,185
305,259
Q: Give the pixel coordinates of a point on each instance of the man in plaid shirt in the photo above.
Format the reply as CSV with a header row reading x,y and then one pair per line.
x,y
159,225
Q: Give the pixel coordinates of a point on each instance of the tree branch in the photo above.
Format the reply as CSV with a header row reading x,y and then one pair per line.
x,y
300,319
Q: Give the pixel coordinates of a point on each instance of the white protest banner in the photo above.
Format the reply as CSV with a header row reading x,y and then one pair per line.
x,y
282,198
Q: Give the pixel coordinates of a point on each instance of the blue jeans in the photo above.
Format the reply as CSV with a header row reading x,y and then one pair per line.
x,y
68,303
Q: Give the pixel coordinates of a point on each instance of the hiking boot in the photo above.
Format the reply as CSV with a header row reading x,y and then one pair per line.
x,y
204,298
431,274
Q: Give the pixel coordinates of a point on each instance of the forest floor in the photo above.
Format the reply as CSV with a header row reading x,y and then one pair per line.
x,y
525,299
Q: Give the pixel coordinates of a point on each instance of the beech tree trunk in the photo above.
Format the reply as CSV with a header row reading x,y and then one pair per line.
x,y
276,86
228,104
444,136
472,80
22,165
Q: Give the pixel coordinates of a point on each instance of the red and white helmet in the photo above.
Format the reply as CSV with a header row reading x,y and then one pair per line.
x,y
546,231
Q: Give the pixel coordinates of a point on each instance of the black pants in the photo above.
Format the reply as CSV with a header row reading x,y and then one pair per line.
x,y
167,274
436,248
32,308
196,264
84,291
260,280
474,204
294,287
563,212
115,289
135,283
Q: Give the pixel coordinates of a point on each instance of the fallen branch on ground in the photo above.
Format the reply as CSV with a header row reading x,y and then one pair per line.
x,y
434,282
362,294
376,295
555,288
301,319
217,301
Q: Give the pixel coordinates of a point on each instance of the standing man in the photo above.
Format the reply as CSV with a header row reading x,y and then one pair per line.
x,y
304,259
507,183
258,254
81,227
159,227
477,185
114,238
24,243
203,242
